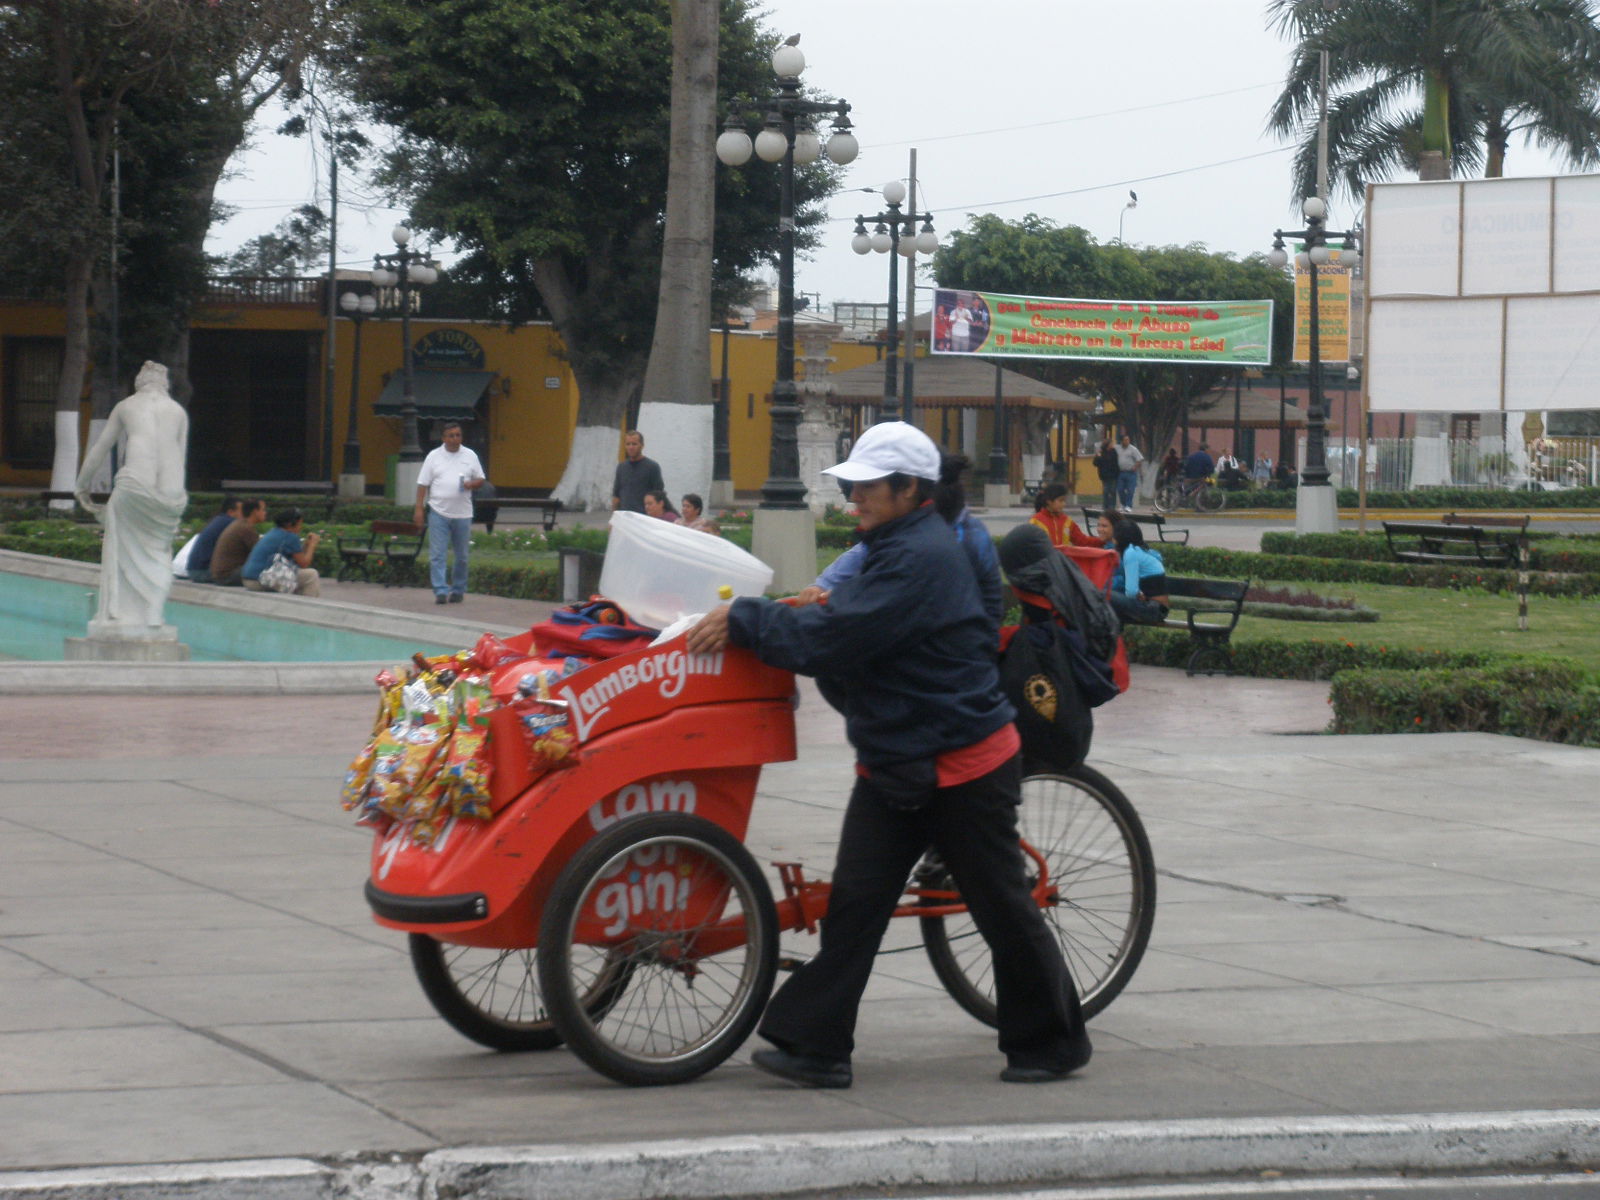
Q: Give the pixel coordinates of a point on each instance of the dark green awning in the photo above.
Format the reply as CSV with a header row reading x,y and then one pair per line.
x,y
437,393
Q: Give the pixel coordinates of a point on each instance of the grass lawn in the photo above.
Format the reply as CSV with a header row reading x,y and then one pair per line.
x,y
1435,619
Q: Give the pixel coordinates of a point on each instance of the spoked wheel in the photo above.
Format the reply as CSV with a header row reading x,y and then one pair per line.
x,y
1210,499
493,996
1166,498
1102,902
678,903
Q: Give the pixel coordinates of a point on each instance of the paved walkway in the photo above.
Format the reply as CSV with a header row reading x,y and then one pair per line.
x,y
1349,930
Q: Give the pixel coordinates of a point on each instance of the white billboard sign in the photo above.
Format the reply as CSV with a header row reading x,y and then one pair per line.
x,y
1483,295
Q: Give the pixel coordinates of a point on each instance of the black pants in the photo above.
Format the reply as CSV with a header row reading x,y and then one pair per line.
x,y
973,826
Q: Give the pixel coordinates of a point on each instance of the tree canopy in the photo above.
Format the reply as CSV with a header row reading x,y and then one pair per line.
x,y
1456,77
1036,257
535,134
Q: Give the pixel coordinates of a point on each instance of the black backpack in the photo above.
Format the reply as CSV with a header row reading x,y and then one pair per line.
x,y
1053,717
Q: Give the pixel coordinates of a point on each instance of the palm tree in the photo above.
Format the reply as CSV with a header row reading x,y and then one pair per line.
x,y
1482,69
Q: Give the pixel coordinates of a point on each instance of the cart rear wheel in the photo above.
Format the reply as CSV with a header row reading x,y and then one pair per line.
x,y
1105,899
680,904
1210,498
493,996
1166,499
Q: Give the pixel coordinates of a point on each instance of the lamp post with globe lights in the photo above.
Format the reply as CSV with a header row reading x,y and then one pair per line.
x,y
783,532
895,233
406,269
358,308
1316,509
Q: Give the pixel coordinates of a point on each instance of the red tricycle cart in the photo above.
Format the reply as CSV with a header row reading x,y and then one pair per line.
x,y
613,906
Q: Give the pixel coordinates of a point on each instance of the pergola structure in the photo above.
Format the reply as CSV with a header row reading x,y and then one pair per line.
x,y
946,384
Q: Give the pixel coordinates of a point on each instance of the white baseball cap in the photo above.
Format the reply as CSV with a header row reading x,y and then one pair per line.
x,y
886,448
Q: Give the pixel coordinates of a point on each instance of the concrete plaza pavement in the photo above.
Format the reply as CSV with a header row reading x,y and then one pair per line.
x,y
1368,952
1347,928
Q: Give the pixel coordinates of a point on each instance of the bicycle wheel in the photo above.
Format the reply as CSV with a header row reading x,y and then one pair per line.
x,y
679,903
1210,498
492,996
1102,905
1167,498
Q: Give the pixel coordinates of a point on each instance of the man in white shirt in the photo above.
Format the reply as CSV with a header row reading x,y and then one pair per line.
x,y
449,476
1128,460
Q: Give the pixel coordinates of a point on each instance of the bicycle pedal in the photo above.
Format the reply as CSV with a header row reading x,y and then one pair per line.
x,y
787,962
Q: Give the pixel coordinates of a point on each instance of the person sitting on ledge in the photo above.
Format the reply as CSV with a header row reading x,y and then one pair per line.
x,y
235,543
285,540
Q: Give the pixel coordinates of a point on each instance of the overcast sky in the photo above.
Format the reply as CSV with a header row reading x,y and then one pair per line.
x,y
1058,107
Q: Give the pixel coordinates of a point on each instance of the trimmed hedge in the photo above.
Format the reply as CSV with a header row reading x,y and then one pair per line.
x,y
1239,564
1280,658
1429,498
1288,612
1374,547
1553,702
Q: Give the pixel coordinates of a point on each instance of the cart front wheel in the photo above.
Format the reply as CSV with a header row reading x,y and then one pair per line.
x,y
490,996
679,904
1210,499
1102,902
1167,498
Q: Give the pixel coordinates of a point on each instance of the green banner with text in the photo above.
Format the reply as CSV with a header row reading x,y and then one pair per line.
x,y
1210,331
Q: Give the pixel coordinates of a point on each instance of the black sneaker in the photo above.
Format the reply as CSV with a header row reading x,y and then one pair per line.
x,y
456,597
808,1070
440,598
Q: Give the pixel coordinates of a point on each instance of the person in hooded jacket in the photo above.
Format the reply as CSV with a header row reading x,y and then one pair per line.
x,y
912,667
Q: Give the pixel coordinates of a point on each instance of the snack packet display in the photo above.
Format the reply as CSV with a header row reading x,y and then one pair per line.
x,y
429,760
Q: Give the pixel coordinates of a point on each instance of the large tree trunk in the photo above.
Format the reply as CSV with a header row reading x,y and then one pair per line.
x,y
603,395
69,390
676,413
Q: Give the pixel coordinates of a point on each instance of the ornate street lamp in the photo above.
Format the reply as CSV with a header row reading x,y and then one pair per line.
x,y
408,270
1316,508
358,307
896,234
788,138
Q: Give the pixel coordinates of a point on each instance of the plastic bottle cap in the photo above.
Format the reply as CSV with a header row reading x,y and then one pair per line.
x,y
725,592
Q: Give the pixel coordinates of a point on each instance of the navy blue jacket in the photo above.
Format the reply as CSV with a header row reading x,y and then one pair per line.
x,y
904,649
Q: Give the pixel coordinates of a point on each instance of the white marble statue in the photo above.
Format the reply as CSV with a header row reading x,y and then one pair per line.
x,y
151,432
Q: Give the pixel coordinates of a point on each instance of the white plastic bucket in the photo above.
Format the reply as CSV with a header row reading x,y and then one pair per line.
x,y
659,572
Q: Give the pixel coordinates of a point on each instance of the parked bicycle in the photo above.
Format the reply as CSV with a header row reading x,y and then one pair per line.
x,y
1203,495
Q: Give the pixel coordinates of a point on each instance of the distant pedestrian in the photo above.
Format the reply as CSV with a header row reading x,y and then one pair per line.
x,y
1105,464
1128,460
450,474
635,475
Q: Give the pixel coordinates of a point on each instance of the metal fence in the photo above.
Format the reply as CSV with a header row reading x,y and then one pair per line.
x,y
1399,464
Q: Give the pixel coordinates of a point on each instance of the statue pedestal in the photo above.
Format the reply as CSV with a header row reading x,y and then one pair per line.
x,y
996,495
352,487
109,641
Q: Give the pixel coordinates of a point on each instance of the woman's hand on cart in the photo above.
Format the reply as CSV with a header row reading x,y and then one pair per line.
x,y
710,634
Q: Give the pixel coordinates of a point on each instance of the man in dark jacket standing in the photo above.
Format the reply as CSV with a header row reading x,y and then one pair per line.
x,y
1105,465
913,670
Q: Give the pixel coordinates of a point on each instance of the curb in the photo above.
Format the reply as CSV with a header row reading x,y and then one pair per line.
x,y
786,1164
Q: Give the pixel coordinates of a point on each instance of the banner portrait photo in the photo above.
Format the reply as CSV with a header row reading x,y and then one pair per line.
x,y
1182,331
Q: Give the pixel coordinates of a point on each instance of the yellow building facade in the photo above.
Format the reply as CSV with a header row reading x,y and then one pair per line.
x,y
261,408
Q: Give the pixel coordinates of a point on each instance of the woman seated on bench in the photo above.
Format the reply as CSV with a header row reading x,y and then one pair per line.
x,y
1050,515
1139,588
